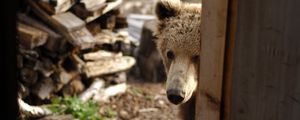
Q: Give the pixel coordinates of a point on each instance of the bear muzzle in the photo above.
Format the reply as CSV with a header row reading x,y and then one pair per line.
x,y
175,96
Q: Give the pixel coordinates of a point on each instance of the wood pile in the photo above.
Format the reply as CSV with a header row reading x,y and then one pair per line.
x,y
69,47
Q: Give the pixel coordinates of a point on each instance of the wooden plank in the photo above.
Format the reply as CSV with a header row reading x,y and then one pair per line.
x,y
228,63
266,79
69,21
213,33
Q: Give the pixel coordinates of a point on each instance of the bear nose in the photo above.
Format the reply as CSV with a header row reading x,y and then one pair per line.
x,y
175,96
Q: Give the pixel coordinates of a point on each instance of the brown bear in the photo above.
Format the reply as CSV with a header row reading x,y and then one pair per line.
x,y
178,42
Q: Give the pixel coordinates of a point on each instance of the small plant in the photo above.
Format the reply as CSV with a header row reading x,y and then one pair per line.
x,y
82,110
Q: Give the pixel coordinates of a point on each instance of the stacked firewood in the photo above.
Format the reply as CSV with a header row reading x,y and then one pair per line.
x,y
69,47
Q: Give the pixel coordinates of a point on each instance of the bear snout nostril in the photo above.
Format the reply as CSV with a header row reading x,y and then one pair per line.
x,y
175,96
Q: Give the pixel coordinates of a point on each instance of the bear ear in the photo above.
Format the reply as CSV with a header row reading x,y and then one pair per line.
x,y
167,8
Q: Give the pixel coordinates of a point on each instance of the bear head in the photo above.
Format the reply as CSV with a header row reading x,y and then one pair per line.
x,y
178,42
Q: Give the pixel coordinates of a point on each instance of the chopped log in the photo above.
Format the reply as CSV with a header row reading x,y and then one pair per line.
x,y
71,37
108,21
29,54
117,78
82,38
92,90
23,90
56,6
61,78
103,38
32,111
89,4
56,45
19,61
31,37
110,91
110,6
121,22
54,42
46,67
37,24
78,61
44,88
28,76
87,8
94,28
74,87
69,21
108,66
100,54
109,37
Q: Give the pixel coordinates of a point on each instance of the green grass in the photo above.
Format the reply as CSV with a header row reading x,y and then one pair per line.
x,y
82,110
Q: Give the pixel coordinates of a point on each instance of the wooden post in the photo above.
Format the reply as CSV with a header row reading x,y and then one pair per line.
x,y
213,33
228,63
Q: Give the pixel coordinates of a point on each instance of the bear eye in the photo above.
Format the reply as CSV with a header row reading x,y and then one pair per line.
x,y
170,55
195,58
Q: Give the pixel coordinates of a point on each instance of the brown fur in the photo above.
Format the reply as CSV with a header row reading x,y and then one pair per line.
x,y
178,32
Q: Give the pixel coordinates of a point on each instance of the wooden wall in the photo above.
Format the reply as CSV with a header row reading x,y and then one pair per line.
x,y
213,34
266,61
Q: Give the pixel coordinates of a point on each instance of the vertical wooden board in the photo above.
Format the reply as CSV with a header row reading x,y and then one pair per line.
x,y
266,63
213,32
228,63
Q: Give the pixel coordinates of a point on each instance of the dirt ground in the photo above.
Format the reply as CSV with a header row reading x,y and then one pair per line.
x,y
142,101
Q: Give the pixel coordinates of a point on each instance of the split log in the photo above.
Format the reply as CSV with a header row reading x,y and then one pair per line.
x,y
109,37
92,90
104,38
108,21
56,6
82,38
44,88
78,61
104,95
28,76
55,41
100,54
110,6
61,78
94,27
29,54
46,67
89,8
121,22
20,61
69,21
23,90
117,78
108,66
85,37
32,111
37,24
74,87
31,37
